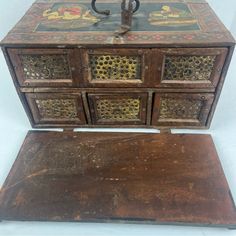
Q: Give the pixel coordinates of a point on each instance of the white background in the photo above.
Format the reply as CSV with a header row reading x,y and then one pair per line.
x,y
14,126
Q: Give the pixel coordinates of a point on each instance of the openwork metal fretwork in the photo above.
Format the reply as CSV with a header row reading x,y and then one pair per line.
x,y
188,68
179,108
57,108
45,67
115,67
118,110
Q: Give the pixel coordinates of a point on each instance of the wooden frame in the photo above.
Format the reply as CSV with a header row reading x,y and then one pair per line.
x,y
212,38
77,119
70,55
142,114
145,72
200,115
159,58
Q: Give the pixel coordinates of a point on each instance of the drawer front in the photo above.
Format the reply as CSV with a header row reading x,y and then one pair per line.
x,y
56,108
181,110
116,67
46,67
199,67
118,108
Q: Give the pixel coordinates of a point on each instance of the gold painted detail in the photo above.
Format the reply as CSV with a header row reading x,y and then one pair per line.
x,y
188,68
45,67
69,16
178,108
172,16
115,67
57,108
118,110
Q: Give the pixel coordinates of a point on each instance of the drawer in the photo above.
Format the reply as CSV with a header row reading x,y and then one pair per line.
x,y
116,67
181,110
46,67
118,108
56,108
188,67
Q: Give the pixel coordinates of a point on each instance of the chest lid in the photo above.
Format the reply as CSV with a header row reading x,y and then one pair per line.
x,y
157,22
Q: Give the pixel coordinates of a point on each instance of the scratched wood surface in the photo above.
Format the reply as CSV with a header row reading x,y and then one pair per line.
x,y
103,177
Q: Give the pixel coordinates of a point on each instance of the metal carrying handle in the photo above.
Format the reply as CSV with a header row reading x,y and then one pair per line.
x,y
108,12
104,12
128,9
137,5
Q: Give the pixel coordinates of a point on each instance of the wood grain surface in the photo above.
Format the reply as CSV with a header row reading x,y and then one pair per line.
x,y
103,177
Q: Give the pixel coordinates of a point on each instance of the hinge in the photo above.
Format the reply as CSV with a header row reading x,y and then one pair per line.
x,y
165,131
68,130
27,90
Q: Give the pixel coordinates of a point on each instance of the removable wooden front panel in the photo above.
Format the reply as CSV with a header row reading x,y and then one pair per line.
x,y
118,177
188,67
116,67
118,108
46,67
56,109
181,110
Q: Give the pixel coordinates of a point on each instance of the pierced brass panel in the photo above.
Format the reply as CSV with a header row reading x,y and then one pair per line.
x,y
118,110
57,108
115,67
188,68
177,108
45,67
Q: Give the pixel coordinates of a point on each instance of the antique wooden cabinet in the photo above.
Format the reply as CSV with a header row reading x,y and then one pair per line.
x,y
71,70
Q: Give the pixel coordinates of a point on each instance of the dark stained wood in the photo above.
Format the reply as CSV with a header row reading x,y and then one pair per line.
x,y
104,177
48,69
159,62
86,108
220,85
118,108
112,90
159,76
149,107
58,54
149,67
122,64
180,110
18,90
59,109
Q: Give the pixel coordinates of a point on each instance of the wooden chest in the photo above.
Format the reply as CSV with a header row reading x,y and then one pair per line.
x,y
71,70
164,73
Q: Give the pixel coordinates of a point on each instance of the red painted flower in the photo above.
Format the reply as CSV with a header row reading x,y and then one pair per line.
x,y
158,37
131,37
72,10
189,36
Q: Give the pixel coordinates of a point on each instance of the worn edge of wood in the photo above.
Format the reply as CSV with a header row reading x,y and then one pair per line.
x,y
13,167
219,88
17,87
224,176
90,45
231,40
134,222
